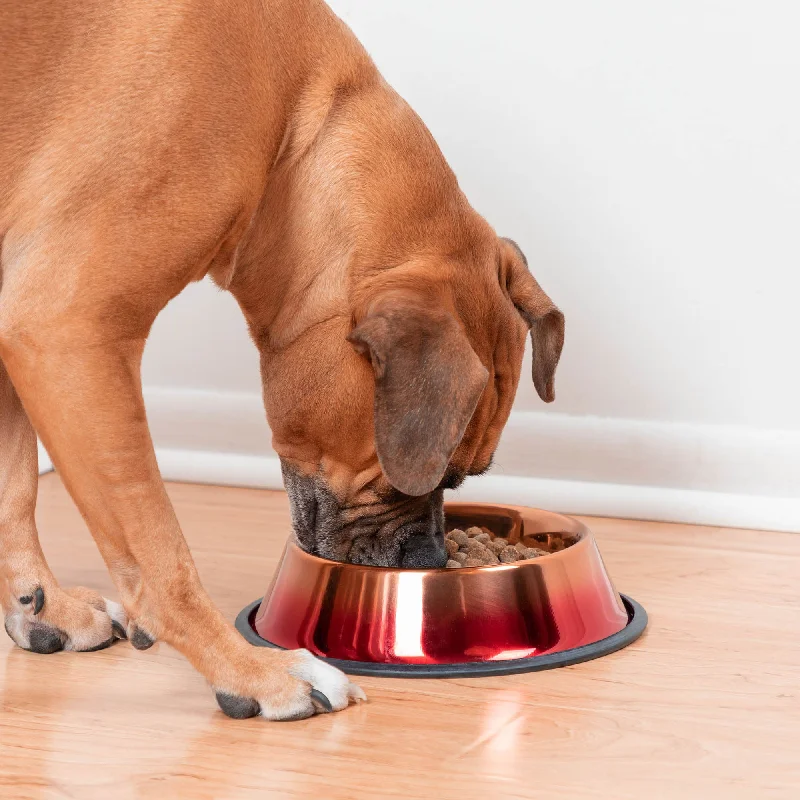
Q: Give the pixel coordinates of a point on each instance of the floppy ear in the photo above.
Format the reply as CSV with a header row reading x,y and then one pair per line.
x,y
545,320
428,381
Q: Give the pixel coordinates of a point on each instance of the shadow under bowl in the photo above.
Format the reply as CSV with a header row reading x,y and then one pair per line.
x,y
551,611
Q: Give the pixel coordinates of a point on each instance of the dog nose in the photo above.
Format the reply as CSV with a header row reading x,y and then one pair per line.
x,y
423,550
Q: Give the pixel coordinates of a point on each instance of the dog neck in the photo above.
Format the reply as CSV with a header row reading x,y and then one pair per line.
x,y
357,194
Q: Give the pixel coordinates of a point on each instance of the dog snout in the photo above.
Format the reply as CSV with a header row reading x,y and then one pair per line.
x,y
423,543
423,550
399,538
400,532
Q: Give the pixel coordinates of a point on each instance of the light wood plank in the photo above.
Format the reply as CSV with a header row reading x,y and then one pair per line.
x,y
705,705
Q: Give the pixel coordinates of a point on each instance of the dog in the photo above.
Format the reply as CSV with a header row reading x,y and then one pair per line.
x,y
146,144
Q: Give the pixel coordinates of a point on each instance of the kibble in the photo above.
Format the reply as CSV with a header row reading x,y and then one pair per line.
x,y
495,547
459,537
534,552
475,547
500,542
508,555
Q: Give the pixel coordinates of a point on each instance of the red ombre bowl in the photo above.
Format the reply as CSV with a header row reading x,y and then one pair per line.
x,y
554,610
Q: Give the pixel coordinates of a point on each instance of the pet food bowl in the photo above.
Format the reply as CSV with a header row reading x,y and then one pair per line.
x,y
551,611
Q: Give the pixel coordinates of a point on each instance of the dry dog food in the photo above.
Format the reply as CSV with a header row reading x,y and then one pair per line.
x,y
475,547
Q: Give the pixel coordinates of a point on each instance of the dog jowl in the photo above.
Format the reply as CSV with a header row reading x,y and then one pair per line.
x,y
408,532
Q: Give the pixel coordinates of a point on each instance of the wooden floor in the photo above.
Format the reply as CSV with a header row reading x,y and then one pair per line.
x,y
705,705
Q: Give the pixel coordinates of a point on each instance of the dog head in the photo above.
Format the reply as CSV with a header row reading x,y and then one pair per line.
x,y
381,409
391,322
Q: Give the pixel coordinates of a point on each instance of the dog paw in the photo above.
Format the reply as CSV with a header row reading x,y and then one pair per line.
x,y
46,620
297,686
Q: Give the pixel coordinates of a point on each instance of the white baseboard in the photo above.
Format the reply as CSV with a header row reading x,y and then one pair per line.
x,y
569,497
220,469
640,502
45,464
703,474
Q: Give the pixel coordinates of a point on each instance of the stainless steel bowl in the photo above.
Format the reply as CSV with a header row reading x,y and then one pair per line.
x,y
549,611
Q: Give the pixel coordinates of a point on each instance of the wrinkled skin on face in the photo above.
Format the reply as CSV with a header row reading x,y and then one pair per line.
x,y
391,329
399,531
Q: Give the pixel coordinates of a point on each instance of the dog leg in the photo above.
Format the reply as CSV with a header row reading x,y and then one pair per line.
x,y
39,615
79,380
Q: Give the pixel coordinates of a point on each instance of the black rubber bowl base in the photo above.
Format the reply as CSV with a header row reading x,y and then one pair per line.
x,y
637,622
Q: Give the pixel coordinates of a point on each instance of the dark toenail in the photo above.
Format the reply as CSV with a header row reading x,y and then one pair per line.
x,y
321,703
37,598
119,630
238,707
101,646
43,639
141,640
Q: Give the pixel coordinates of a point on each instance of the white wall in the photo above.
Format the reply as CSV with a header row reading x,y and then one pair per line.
x,y
646,156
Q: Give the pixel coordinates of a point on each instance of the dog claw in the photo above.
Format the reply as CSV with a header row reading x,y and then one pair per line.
x,y
37,598
238,707
357,694
141,640
119,630
321,702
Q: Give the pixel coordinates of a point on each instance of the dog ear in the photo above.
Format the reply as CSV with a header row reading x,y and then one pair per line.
x,y
544,319
428,381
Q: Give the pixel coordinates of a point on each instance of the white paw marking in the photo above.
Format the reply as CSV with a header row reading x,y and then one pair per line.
x,y
116,612
15,627
333,683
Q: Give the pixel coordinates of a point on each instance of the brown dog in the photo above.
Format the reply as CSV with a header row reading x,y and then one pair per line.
x,y
145,144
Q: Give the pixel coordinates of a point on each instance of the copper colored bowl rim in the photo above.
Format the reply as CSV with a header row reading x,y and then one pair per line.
x,y
578,529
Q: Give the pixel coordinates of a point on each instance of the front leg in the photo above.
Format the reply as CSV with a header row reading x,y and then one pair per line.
x,y
38,614
80,384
